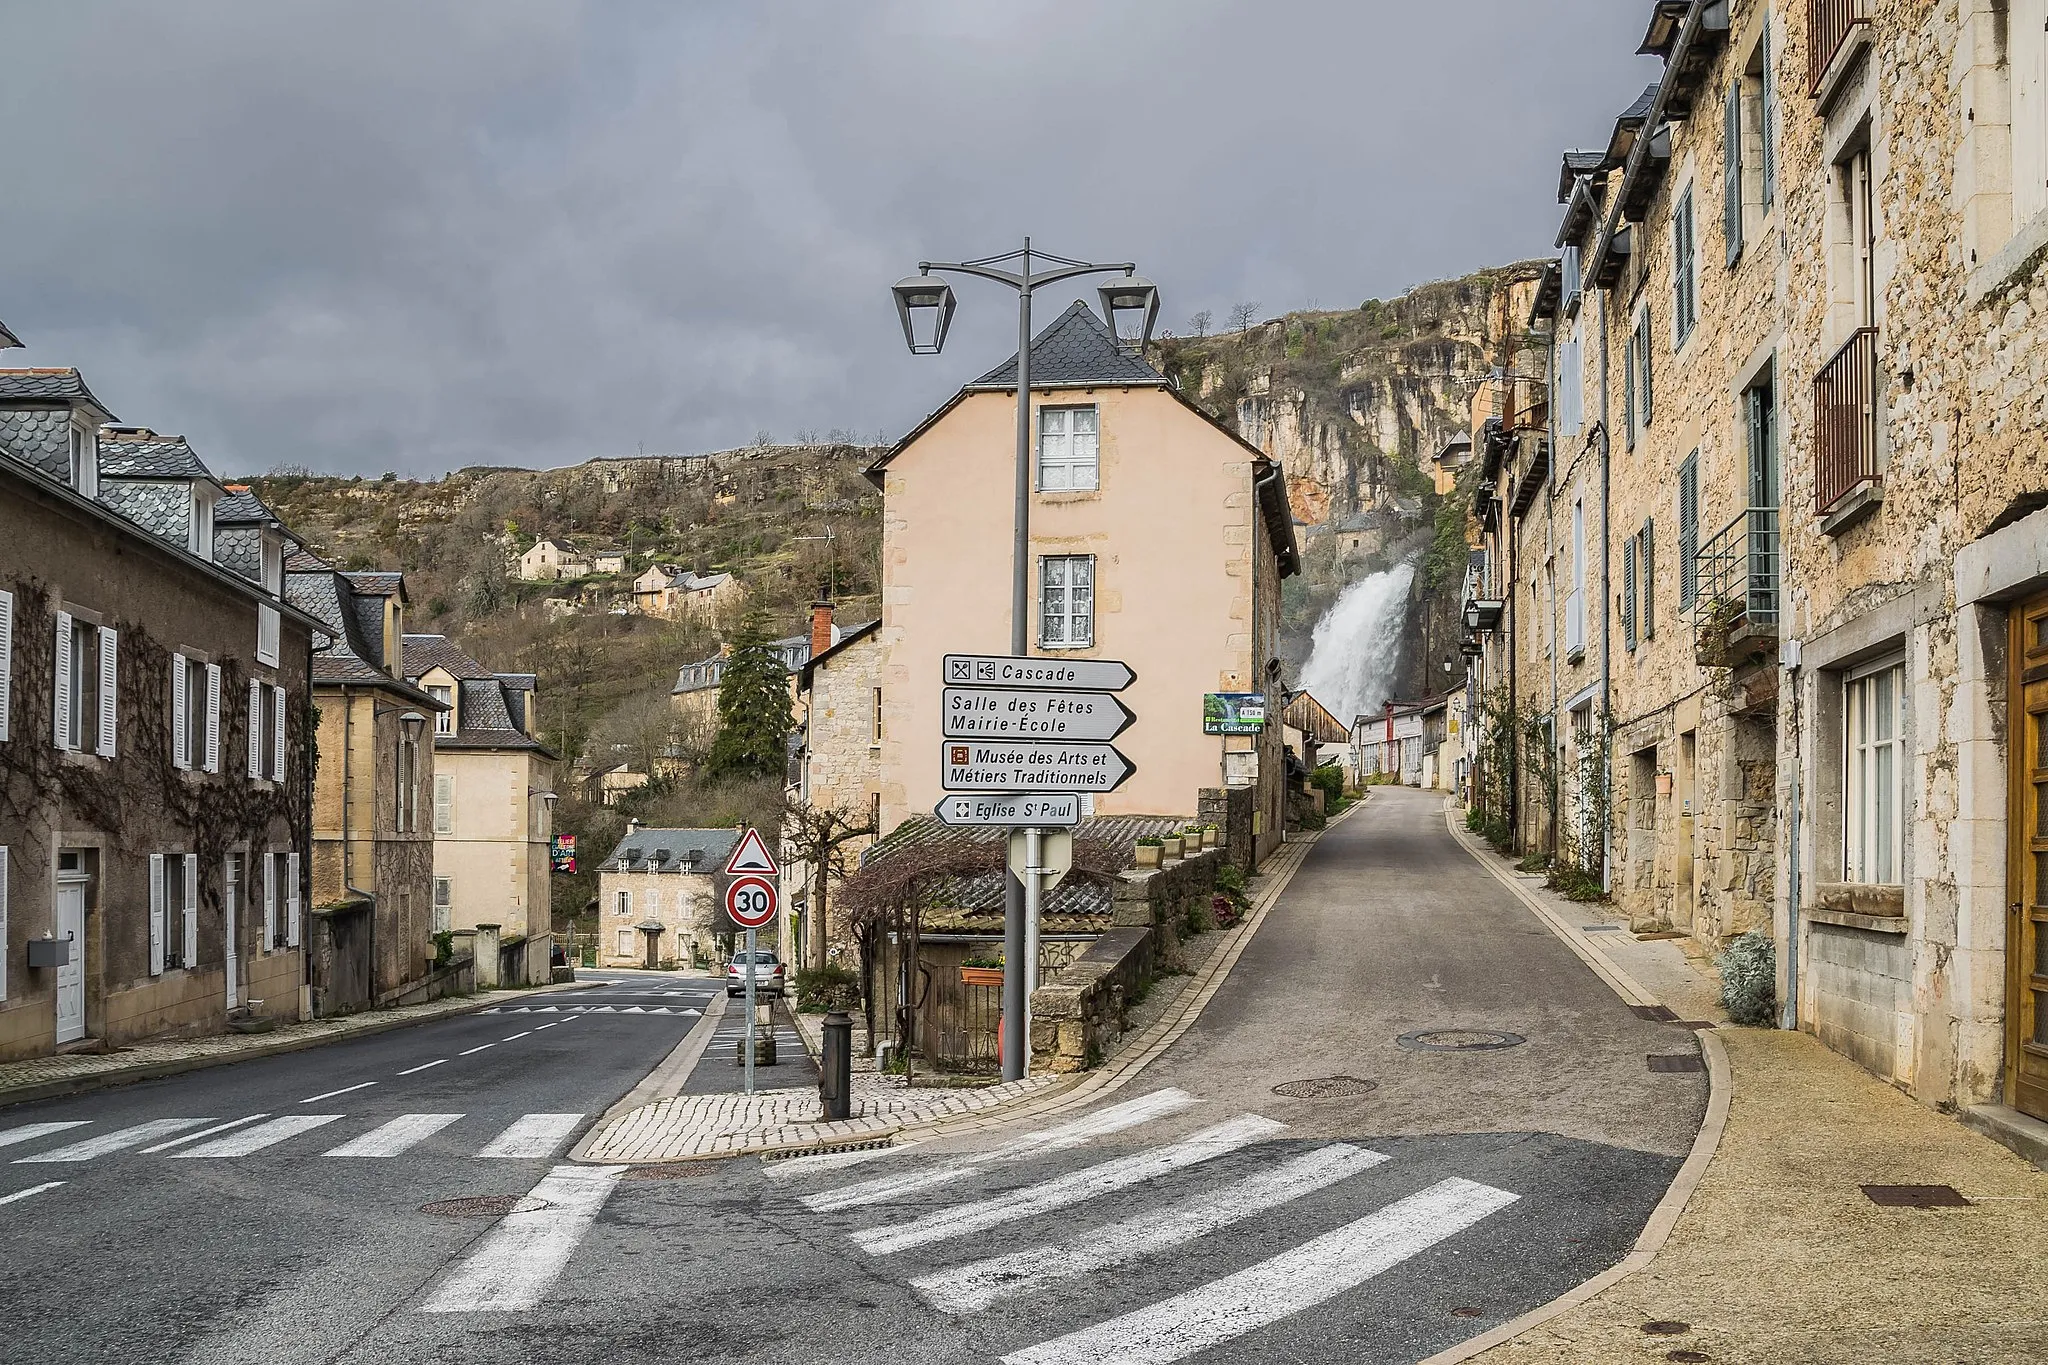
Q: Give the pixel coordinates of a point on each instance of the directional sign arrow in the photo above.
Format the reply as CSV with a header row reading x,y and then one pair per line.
x,y
1030,768
1014,812
1002,670
1012,713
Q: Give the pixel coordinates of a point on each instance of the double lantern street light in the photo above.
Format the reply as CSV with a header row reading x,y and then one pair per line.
x,y
925,305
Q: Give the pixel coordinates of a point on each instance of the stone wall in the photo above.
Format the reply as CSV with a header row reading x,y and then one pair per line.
x,y
1230,810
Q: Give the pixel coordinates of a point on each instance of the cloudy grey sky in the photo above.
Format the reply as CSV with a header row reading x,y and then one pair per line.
x,y
416,234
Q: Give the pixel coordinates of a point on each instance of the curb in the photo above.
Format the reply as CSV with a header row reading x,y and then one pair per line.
x,y
152,1071
673,1069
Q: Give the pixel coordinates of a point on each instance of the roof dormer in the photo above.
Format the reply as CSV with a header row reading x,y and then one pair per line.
x,y
50,421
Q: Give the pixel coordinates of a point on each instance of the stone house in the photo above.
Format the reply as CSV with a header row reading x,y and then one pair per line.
x,y
666,591
493,798
658,896
153,749
372,867
550,561
609,561
695,693
839,710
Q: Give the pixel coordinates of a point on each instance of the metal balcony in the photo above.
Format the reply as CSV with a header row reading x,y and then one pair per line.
x,y
1845,421
1737,575
1828,26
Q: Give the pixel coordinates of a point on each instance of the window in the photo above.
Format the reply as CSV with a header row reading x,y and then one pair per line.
x,y
622,906
1873,785
875,813
622,945
1760,422
406,798
444,804
200,542
86,702
1766,118
288,874
1684,281
876,737
1575,602
277,734
1067,449
1852,179
1688,529
272,886
173,911
2027,54
444,904
1066,617
190,723
85,460
1731,170
1571,379
272,556
444,722
1571,272
1627,603
267,621
1645,387
1646,569
1628,392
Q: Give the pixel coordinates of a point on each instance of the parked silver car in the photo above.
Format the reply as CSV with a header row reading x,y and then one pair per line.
x,y
769,974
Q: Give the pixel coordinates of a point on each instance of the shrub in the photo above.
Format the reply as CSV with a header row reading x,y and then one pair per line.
x,y
1201,919
444,948
1330,779
1749,979
1230,879
1575,883
830,987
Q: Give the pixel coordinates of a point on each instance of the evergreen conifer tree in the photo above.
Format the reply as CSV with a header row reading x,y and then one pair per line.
x,y
754,718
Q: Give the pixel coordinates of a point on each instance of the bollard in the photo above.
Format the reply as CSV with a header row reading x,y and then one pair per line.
x,y
835,1077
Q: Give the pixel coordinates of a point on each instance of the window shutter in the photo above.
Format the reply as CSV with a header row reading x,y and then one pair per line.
x,y
190,957
1688,528
1628,393
1648,570
269,902
181,736
1628,593
1767,108
6,663
277,735
110,697
61,711
156,914
444,804
213,718
1731,172
291,900
2028,60
255,728
1644,351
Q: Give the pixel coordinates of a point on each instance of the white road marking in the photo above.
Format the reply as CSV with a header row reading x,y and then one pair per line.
x,y
535,1135
476,1050
517,1036
115,1141
29,1132
516,1262
202,1133
257,1138
1300,1278
391,1138
423,1066
550,1024
972,1287
828,1161
1072,1188
31,1190
1085,1129
330,1094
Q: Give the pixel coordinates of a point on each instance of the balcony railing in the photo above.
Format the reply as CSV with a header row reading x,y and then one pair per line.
x,y
1737,573
1828,25
1845,421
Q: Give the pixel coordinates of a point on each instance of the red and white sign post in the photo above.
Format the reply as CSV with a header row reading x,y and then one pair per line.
x,y
750,902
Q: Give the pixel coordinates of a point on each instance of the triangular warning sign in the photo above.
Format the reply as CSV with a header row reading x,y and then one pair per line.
x,y
750,855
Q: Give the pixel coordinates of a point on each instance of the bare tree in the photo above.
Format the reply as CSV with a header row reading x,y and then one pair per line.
x,y
1241,314
1199,323
818,836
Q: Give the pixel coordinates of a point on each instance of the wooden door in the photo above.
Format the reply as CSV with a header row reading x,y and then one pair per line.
x,y
71,976
2027,927
230,911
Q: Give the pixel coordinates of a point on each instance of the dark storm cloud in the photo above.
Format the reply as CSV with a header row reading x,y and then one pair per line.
x,y
407,235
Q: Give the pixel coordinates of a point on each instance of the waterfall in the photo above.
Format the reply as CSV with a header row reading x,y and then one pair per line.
x,y
1357,644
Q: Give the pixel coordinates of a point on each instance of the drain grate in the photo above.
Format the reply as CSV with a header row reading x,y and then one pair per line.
x,y
1916,1196
483,1206
1676,1064
1599,928
792,1152
1459,1040
1327,1088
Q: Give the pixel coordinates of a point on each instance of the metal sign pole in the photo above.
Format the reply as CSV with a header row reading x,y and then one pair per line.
x,y
750,1010
1034,881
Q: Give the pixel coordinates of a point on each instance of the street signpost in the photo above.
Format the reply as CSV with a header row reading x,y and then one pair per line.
x,y
1015,713
1014,767
750,901
1009,812
1000,670
1055,855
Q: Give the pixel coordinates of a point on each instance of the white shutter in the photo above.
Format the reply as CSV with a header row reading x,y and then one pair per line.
x,y
156,914
291,898
181,741
110,683
255,729
444,804
2028,49
3,920
269,902
190,955
213,718
277,718
6,662
266,628
61,712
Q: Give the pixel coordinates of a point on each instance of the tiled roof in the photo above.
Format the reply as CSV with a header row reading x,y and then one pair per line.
x,y
39,438
61,385
162,509
303,560
354,636
424,653
139,453
377,583
971,904
642,850
484,710
240,548
1078,348
241,508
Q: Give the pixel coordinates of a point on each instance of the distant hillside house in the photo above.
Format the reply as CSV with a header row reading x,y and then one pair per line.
x,y
695,694
657,896
667,591
550,561
609,561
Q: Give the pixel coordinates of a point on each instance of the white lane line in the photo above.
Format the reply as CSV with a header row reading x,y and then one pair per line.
x,y
116,1141
972,1287
257,1138
1260,1295
517,1261
391,1138
535,1135
202,1133
827,1161
1074,1187
515,1037
31,1190
1101,1123
330,1094
29,1132
423,1066
538,1027
475,1050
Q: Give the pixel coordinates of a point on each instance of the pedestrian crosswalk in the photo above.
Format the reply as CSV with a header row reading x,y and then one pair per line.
x,y
528,1137
590,1009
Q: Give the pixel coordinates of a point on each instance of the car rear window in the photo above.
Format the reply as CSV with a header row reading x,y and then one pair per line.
x,y
765,958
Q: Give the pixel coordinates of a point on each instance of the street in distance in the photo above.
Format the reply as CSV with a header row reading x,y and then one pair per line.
x,y
1027,768
1007,713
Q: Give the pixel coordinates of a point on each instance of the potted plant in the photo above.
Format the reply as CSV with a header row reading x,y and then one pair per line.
x,y
1191,839
1208,836
1149,851
982,970
1169,846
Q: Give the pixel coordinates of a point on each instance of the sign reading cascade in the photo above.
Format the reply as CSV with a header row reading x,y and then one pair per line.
x,y
1033,727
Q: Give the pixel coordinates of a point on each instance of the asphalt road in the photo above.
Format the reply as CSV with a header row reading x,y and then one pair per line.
x,y
1195,1214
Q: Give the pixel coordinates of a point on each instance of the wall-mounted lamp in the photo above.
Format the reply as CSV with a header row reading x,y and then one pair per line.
x,y
413,722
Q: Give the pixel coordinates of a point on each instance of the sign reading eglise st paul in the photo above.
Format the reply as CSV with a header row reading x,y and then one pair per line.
x,y
1023,766
1008,713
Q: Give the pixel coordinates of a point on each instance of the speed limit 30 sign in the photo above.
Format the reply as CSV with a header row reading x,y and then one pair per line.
x,y
750,901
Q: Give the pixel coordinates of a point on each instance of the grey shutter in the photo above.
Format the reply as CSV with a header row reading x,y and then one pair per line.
x,y
189,952
1731,171
291,900
1628,392
277,734
60,712
1688,528
181,734
156,914
110,697
255,728
213,718
6,661
1647,560
1628,593
270,866
1644,351
1767,108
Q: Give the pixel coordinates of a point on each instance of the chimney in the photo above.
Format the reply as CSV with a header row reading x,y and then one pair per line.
x,y
821,627
633,825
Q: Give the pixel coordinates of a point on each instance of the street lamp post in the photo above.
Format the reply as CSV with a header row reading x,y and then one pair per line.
x,y
925,306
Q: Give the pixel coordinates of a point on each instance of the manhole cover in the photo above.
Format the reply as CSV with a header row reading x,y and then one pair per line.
x,y
1688,1357
1916,1196
1665,1327
1661,1062
1459,1040
680,1170
1328,1088
484,1206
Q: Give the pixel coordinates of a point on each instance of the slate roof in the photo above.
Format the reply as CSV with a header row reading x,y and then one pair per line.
x,y
642,850
239,547
139,453
56,384
484,714
424,653
354,635
39,438
1575,165
378,583
241,507
162,509
1078,348
793,650
852,636
7,338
